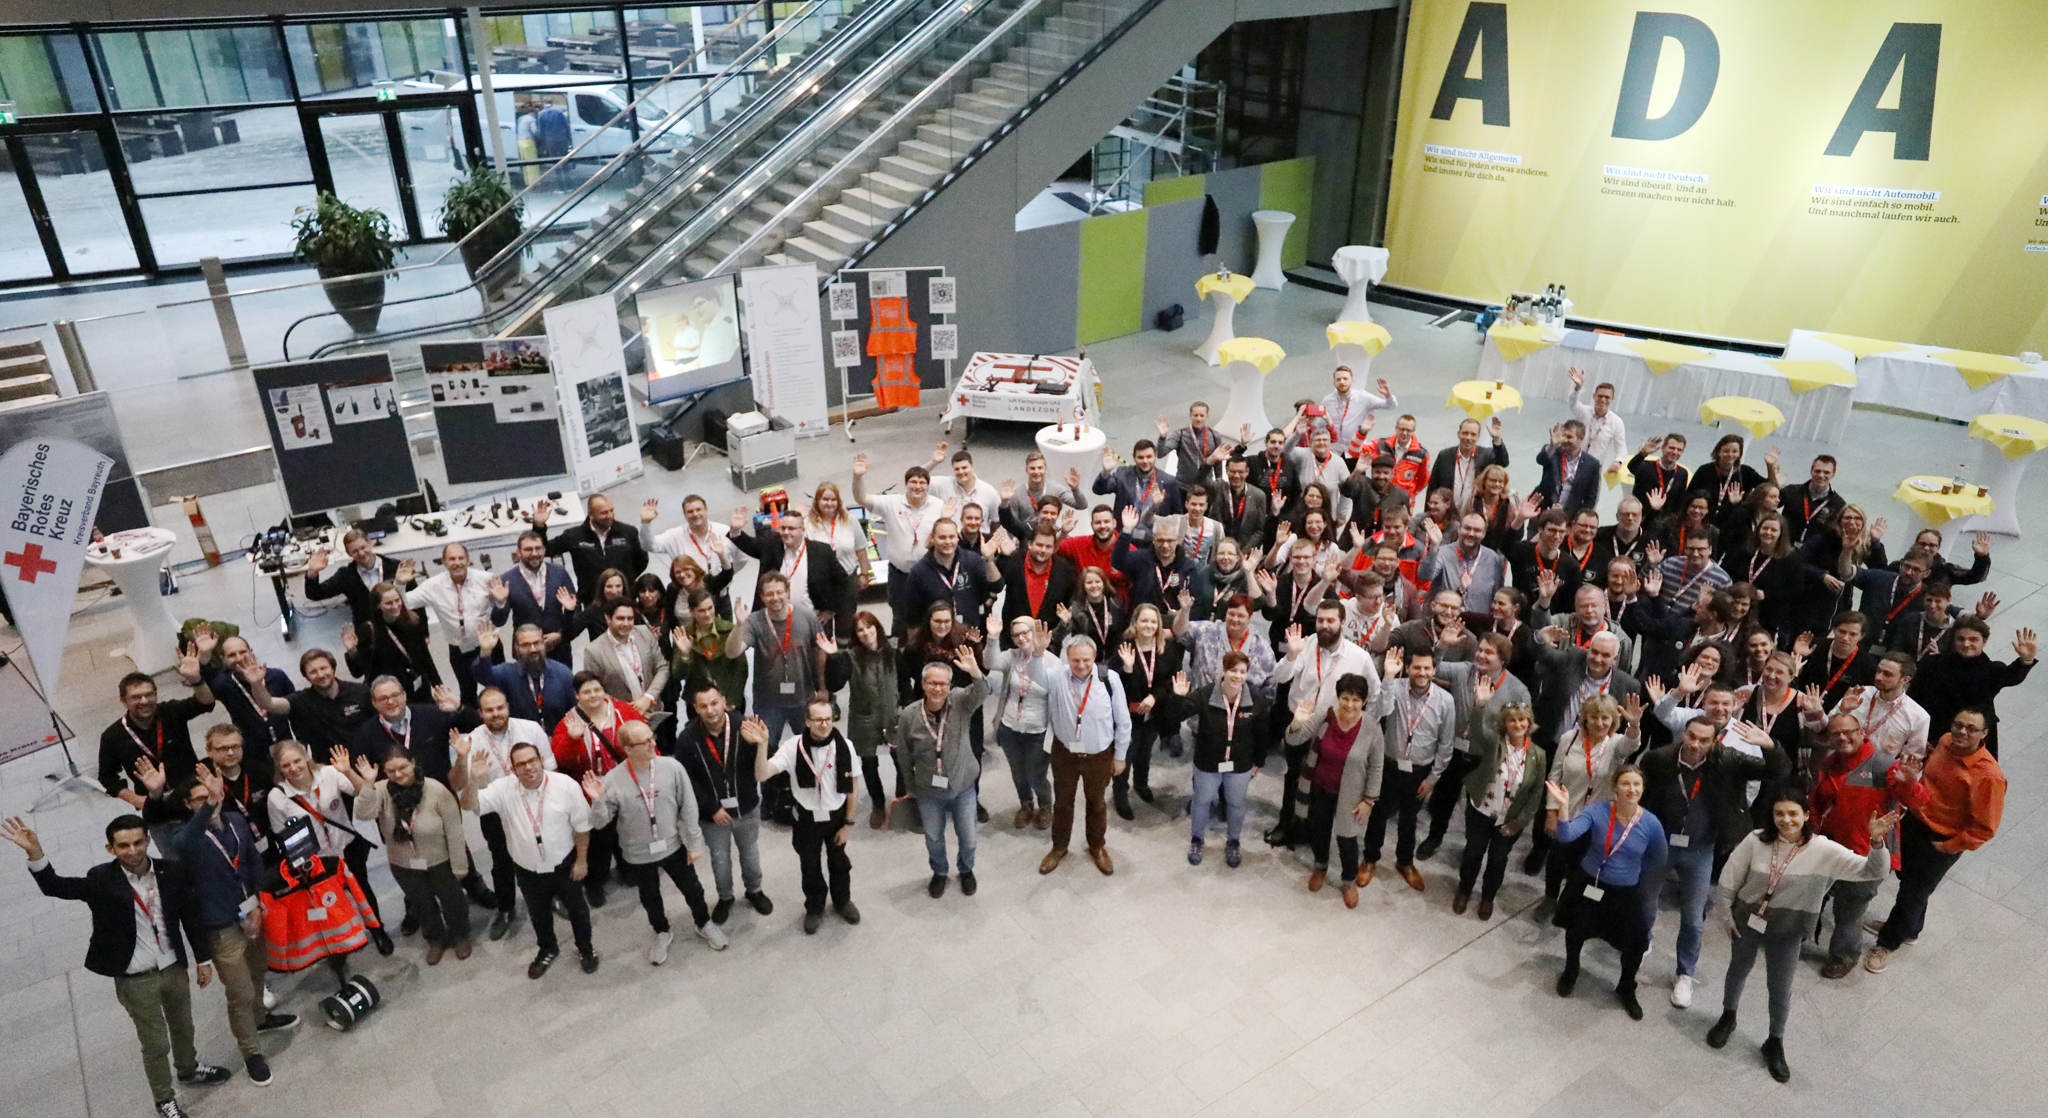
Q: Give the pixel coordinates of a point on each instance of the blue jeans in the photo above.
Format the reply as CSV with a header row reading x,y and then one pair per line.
x,y
935,809
1695,866
1028,760
744,832
1235,786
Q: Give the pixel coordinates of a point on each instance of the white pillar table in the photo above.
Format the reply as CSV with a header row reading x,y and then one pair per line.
x,y
133,559
2011,439
1272,226
1361,266
1246,361
1224,292
1071,445
1367,337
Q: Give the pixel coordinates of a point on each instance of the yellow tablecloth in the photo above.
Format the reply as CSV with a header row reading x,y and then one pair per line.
x,y
1371,335
1861,347
1939,508
1979,369
1662,357
1759,417
1809,375
1516,341
1257,351
2016,435
1238,286
1481,398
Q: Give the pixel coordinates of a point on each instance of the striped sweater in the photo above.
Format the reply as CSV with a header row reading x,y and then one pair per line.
x,y
1795,907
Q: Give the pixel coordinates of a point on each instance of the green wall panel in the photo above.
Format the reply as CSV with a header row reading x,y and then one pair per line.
x,y
1159,192
1112,294
1290,185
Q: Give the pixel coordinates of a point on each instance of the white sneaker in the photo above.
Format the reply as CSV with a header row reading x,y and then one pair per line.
x,y
658,954
269,999
1681,991
713,935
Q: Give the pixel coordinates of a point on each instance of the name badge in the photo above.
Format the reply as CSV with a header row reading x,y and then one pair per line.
x,y
1594,892
1757,921
661,846
939,780
1405,766
1681,841
316,914
247,907
789,688
730,803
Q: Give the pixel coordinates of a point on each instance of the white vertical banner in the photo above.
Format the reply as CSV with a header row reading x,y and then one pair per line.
x,y
590,364
52,489
786,344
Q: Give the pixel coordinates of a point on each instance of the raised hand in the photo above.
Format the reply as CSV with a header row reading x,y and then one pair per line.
x,y
1547,583
1129,517
1578,376
575,726
593,788
216,788
1482,689
938,454
565,597
337,756
364,771
1653,583
1529,506
827,645
1980,543
1851,701
1654,552
316,562
1655,498
486,637
189,669
754,730
1912,764
1987,605
1632,709
860,464
1296,644
1392,665
1074,478
1108,460
1128,653
1802,645
1877,529
153,776
1881,825
1558,796
1771,457
649,510
408,571
966,660
204,641
1692,677
1493,428
1811,700
445,699
1304,710
1165,428
1060,609
2023,645
348,637
1386,390
741,518
951,509
1007,489
1754,734
1181,684
18,832
1266,580
970,634
499,591
1655,686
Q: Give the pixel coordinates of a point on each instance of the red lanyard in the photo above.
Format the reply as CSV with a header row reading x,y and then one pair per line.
x,y
647,792
1087,691
1238,515
1756,568
802,553
1763,709
1102,622
1608,852
937,727
819,772
536,811
149,906
406,740
1904,602
1150,662
788,625
1586,747
234,862
1588,558
711,743
1778,867
1835,678
1151,484
319,820
599,754
155,755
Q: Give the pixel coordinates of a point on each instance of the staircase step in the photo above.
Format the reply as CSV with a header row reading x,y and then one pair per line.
x,y
854,219
965,119
936,155
981,104
1086,30
882,185
826,233
910,170
954,141
803,248
780,258
700,265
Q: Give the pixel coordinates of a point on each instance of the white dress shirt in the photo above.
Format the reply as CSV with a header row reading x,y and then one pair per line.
x,y
153,947
330,820
909,529
541,825
1350,411
456,609
1895,726
1606,436
714,552
1318,669
824,797
498,761
987,496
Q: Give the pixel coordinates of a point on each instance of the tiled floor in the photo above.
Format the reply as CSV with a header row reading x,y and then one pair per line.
x,y
1163,990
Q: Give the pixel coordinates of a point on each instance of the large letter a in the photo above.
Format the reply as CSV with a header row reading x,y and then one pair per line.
x,y
1485,29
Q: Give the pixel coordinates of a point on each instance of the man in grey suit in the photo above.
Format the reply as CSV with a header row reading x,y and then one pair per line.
x,y
627,659
1566,675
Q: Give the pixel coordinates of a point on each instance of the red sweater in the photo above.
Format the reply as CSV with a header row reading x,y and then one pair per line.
x,y
597,751
1850,790
1085,553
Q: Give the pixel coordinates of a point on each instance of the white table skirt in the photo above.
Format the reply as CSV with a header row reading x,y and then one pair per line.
x,y
1821,415
1909,378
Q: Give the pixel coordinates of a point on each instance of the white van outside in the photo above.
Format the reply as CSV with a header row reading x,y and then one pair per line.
x,y
434,134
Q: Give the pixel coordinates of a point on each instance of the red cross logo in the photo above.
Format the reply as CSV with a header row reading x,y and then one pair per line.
x,y
30,562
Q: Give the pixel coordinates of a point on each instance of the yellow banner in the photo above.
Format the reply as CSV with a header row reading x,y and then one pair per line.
x,y
1734,168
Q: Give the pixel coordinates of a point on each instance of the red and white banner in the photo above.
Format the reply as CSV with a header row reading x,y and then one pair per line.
x,y
51,494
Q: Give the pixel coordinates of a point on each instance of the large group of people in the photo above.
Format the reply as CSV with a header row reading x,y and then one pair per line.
x,y
1729,689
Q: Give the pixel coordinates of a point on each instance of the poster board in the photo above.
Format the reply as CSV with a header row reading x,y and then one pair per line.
x,y
335,427
496,409
916,285
88,419
786,344
590,377
692,331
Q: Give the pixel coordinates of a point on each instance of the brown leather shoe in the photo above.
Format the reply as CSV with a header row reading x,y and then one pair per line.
x,y
1100,856
434,952
1365,873
1458,903
877,819
1486,908
1412,876
1043,819
1022,819
1316,879
462,948
1350,895
1051,861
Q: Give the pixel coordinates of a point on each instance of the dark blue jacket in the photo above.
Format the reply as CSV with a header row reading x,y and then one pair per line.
x,y
260,729
428,734
557,689
974,583
521,609
1149,581
1585,490
221,877
1124,485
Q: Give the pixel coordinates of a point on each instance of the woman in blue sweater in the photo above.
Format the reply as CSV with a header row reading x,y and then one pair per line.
x,y
1602,900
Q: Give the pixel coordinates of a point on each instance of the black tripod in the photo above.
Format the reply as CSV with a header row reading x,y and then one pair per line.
x,y
74,782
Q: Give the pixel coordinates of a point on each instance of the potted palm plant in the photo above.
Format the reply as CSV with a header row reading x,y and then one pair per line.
x,y
340,240
481,202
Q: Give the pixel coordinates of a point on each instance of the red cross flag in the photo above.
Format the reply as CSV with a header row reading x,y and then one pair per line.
x,y
49,495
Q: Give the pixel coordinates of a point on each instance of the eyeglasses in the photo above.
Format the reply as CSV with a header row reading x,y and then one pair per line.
x,y
1961,727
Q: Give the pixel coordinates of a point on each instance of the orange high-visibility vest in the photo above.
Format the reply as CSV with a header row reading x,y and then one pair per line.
x,y
892,341
320,914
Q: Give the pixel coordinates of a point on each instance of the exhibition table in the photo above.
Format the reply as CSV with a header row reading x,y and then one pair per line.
x,y
1932,380
1360,266
1758,417
1069,446
1023,388
2011,440
1369,337
1246,362
1223,291
1653,378
1932,501
134,559
1272,226
1482,398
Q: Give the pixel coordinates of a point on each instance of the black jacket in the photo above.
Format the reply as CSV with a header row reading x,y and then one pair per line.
x,y
344,582
1724,780
974,583
730,774
832,590
428,734
1444,474
1062,582
105,891
590,556
1243,518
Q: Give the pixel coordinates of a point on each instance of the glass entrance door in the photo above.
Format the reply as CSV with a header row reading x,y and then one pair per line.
x,y
398,157
59,184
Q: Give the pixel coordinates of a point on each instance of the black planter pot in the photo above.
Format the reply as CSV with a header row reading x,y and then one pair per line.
x,y
360,302
478,250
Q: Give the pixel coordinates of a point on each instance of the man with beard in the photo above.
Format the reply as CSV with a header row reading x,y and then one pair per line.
x,y
158,735
1271,474
538,686
1098,549
1139,488
329,709
597,545
825,782
1458,467
489,749
1020,507
1199,448
531,593
1158,574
